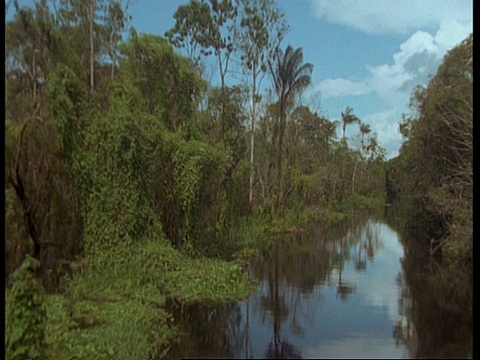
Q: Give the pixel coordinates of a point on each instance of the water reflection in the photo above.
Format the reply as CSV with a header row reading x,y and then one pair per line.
x,y
316,291
341,292
438,321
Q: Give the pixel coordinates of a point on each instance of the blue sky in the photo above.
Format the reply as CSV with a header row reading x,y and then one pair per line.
x,y
368,55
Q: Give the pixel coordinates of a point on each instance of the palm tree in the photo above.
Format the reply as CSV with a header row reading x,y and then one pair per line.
x,y
330,129
364,130
348,118
290,78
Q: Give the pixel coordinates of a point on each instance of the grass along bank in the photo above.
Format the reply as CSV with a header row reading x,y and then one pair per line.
x,y
113,307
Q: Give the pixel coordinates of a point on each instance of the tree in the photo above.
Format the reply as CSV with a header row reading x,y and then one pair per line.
x,y
348,118
290,78
166,81
330,129
82,23
28,52
262,29
43,207
211,25
315,133
115,23
439,153
364,130
92,54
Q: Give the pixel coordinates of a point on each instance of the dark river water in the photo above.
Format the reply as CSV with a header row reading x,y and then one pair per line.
x,y
358,290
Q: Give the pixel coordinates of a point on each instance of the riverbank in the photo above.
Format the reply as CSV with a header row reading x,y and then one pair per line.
x,y
113,306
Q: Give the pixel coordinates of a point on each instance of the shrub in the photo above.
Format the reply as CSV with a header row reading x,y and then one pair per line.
x,y
26,315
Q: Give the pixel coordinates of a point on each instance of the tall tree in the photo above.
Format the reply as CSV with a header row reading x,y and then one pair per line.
x,y
211,25
439,152
167,83
290,78
82,23
34,154
263,27
364,130
348,118
115,20
330,131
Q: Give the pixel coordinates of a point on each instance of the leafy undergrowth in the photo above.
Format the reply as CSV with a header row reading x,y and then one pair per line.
x,y
93,329
207,279
114,305
26,316
360,202
337,212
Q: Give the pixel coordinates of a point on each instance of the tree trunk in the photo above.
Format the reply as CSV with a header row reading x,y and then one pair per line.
x,y
252,136
222,78
281,132
114,58
92,10
34,77
353,176
16,181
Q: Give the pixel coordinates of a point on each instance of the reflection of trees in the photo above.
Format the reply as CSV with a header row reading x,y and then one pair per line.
x,y
282,350
238,335
303,263
371,240
361,261
437,322
290,274
275,303
343,289
205,329
248,348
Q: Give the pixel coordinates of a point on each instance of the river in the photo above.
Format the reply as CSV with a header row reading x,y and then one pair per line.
x,y
356,290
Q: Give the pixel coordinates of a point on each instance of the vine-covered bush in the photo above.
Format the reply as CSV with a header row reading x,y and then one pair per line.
x,y
26,315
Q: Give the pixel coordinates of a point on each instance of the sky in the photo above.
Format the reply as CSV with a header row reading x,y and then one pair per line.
x,y
368,55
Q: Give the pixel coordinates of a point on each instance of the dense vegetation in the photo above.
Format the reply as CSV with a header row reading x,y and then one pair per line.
x,y
133,182
434,172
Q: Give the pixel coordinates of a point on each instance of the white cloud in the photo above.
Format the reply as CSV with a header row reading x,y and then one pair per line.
x,y
379,288
385,125
451,32
342,87
415,62
399,17
358,346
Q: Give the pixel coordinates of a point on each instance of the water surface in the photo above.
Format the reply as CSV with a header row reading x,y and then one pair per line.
x,y
329,293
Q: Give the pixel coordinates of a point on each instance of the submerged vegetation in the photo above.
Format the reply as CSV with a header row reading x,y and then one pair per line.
x,y
131,182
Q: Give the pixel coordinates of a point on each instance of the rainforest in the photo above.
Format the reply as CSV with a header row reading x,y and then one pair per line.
x,y
139,194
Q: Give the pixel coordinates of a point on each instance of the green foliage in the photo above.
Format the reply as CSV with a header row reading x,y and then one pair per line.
x,y
435,165
116,208
114,305
122,329
16,236
290,78
208,24
189,160
357,202
348,118
26,315
206,279
198,170
166,82
68,107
